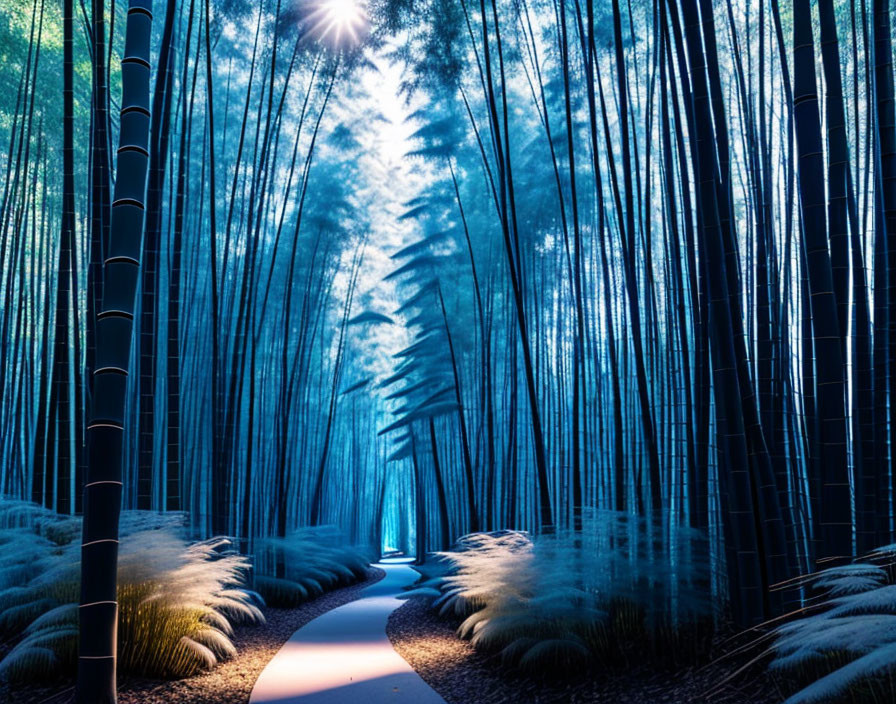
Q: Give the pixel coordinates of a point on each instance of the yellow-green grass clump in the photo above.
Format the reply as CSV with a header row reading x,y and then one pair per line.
x,y
177,600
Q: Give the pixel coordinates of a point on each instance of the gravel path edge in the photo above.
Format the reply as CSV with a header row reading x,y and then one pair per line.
x,y
230,682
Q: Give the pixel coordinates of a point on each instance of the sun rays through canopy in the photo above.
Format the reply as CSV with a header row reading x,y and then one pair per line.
x,y
338,22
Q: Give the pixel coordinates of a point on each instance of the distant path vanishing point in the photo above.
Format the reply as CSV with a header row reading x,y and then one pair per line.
x,y
345,656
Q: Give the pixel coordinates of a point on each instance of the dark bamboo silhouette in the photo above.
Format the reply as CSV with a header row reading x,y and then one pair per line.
x,y
833,501
103,488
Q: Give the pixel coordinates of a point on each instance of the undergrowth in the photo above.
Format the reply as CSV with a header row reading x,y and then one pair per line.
x,y
842,645
620,590
177,601
305,564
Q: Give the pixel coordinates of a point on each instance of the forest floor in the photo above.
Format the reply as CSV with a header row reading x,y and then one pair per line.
x,y
229,683
450,665
461,675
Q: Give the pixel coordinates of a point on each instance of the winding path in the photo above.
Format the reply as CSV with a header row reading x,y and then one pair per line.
x,y
345,657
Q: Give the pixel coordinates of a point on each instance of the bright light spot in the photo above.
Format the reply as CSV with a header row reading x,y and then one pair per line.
x,y
339,21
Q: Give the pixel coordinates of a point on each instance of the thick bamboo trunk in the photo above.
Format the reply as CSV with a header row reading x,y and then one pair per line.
x,y
834,502
103,488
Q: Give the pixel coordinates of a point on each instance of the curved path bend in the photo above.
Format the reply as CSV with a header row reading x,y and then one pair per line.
x,y
345,657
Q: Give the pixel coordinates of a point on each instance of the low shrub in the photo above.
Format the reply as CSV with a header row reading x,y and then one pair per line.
x,y
621,588
177,600
842,646
305,564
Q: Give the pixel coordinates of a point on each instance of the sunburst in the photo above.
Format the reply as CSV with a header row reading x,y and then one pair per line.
x,y
338,22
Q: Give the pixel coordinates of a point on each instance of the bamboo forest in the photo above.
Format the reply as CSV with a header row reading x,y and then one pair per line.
x,y
447,351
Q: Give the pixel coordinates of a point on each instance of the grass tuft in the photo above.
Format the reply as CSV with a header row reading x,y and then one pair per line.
x,y
177,600
844,648
305,564
622,589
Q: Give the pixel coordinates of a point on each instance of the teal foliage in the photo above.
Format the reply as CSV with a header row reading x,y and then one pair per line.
x,y
555,601
305,564
842,647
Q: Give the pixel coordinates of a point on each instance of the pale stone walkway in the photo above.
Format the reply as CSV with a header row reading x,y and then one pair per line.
x,y
345,656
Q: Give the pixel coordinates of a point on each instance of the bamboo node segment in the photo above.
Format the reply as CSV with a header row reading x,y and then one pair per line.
x,y
97,542
127,201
